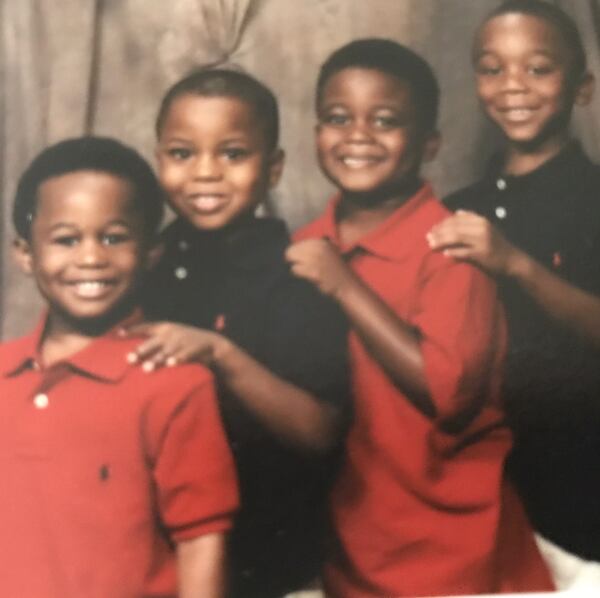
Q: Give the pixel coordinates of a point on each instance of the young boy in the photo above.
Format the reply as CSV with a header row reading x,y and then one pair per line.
x,y
420,507
533,222
114,483
276,345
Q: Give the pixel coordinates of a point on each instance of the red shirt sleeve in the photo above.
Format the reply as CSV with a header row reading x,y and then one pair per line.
x,y
193,470
463,344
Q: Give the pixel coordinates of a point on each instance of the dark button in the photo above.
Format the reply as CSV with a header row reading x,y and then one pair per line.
x,y
104,472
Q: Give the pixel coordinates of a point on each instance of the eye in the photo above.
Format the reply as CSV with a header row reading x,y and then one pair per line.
x,y
115,238
179,153
335,119
387,122
235,153
540,69
485,70
65,240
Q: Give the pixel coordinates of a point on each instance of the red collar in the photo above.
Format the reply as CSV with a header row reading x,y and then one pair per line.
x,y
104,358
384,240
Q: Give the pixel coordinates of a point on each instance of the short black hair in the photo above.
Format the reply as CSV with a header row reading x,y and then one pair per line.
x,y
101,154
222,82
554,15
390,58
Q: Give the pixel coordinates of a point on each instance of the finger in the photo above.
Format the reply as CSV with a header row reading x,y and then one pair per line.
x,y
155,362
145,350
461,253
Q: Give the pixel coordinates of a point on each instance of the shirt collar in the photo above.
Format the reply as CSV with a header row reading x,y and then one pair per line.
x,y
552,174
383,240
250,245
104,358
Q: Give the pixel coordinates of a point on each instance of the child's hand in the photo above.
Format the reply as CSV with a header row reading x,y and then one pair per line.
x,y
470,237
169,344
318,261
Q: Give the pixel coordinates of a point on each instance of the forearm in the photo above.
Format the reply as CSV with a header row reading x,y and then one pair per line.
x,y
293,415
389,340
574,308
201,567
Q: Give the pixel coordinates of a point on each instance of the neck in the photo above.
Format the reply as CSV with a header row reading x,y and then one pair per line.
x,y
358,214
64,336
523,159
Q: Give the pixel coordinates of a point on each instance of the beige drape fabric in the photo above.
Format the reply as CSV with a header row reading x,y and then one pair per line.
x,y
69,67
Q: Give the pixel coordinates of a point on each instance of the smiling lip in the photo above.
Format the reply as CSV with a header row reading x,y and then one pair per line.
x,y
207,202
91,289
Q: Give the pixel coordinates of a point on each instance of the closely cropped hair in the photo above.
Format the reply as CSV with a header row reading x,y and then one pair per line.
x,y
390,58
552,14
221,82
100,154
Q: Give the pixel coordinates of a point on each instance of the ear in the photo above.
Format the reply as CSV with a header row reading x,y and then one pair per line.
x,y
22,255
431,146
276,163
585,90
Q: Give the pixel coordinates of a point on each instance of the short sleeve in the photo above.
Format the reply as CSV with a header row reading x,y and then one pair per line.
x,y
193,470
463,339
306,342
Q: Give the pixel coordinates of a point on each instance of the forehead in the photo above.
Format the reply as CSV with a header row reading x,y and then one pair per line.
x,y
517,33
190,112
85,196
367,85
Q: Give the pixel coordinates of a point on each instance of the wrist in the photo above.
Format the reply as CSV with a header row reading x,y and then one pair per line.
x,y
222,349
519,265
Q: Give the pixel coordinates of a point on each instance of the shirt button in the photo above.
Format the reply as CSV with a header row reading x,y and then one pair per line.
x,y
501,184
181,273
41,401
183,245
501,212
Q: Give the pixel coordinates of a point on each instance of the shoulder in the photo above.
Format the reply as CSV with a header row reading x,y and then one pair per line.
x,y
465,198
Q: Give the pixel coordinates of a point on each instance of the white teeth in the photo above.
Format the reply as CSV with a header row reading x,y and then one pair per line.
x,y
354,162
518,114
90,289
207,202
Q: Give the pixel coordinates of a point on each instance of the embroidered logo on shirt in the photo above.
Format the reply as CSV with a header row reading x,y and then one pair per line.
x,y
219,324
556,259
104,472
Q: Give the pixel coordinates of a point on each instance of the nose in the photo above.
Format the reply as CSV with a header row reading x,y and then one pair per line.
x,y
207,167
92,254
359,131
513,80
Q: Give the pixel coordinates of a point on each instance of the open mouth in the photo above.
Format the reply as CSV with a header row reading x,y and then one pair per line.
x,y
517,115
207,202
91,289
358,162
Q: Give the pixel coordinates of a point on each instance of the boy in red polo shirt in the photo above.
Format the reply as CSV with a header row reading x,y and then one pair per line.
x,y
421,506
115,483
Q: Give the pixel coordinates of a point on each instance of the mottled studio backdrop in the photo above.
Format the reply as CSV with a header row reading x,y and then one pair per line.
x,y
70,67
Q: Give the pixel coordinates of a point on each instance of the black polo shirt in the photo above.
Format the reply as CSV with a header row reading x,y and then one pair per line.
x,y
552,387
236,281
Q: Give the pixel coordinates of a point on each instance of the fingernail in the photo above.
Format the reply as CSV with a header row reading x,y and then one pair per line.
x,y
148,366
132,357
171,361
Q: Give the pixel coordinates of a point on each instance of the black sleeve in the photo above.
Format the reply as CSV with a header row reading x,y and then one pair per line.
x,y
305,342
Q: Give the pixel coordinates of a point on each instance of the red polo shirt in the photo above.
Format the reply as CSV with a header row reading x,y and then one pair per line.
x,y
103,468
421,506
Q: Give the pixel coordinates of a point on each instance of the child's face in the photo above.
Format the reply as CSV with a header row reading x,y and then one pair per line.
x,y
86,248
368,137
213,160
522,66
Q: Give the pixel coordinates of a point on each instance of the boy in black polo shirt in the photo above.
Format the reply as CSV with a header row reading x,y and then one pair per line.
x,y
534,222
276,345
